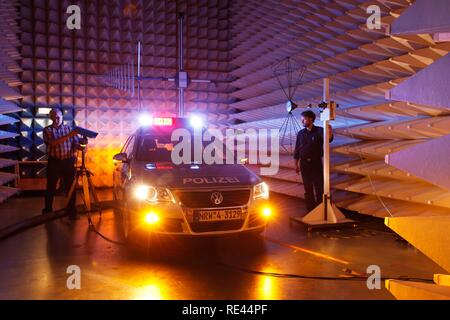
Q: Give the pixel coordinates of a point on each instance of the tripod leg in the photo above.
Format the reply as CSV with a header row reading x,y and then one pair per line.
x,y
283,129
72,190
84,200
86,195
94,194
86,204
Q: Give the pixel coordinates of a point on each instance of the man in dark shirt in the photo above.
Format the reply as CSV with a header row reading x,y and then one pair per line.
x,y
308,158
62,144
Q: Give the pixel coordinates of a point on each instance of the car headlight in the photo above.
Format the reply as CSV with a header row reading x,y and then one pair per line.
x,y
153,194
261,191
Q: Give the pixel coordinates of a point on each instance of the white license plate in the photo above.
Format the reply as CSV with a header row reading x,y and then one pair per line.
x,y
219,215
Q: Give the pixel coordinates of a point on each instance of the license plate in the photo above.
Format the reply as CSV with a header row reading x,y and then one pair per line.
x,y
219,215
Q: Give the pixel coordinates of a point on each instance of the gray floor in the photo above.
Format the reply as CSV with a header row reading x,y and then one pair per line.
x,y
33,264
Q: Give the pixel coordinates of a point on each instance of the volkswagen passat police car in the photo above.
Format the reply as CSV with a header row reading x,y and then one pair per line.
x,y
156,196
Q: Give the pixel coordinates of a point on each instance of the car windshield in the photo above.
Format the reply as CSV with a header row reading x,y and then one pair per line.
x,y
155,148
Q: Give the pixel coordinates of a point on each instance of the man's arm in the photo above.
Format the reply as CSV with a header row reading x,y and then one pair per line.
x,y
49,141
76,143
330,131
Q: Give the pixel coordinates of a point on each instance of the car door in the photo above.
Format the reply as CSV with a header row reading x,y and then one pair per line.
x,y
121,170
118,167
126,166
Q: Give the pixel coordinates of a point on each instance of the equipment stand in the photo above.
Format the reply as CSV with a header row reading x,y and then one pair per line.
x,y
88,186
326,214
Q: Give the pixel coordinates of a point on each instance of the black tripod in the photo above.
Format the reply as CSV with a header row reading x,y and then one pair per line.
x,y
88,186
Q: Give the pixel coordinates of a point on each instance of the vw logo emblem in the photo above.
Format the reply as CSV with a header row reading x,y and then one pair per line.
x,y
216,198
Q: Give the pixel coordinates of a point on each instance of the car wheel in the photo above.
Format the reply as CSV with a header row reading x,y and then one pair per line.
x,y
125,224
116,203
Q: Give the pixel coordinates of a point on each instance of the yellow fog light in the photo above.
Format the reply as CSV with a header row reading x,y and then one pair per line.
x,y
151,218
266,212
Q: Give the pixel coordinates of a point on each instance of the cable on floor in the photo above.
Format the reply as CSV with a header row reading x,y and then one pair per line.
x,y
287,275
326,278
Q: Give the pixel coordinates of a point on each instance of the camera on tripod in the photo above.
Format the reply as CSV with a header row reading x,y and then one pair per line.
x,y
85,133
84,175
327,110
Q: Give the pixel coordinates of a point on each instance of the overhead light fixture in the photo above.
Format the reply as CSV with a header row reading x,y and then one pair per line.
x,y
44,111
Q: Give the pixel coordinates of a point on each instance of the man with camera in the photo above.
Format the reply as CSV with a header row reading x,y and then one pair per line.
x,y
308,158
62,144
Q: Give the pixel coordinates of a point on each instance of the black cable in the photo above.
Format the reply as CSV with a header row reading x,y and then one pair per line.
x,y
61,214
94,229
106,238
298,276
287,275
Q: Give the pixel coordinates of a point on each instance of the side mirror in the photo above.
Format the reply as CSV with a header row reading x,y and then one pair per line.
x,y
122,157
243,161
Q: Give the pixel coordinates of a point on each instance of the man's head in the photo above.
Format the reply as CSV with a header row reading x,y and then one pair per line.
x,y
56,116
308,118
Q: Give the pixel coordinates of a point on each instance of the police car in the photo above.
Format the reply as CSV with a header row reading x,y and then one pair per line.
x,y
155,196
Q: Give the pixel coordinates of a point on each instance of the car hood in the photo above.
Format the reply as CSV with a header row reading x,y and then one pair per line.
x,y
194,176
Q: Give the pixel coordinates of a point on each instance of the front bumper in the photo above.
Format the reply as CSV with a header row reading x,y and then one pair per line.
x,y
178,220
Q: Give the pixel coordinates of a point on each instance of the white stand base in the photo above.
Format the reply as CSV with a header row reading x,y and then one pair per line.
x,y
319,218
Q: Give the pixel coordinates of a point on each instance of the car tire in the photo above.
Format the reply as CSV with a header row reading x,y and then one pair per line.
x,y
130,239
116,203
140,249
125,224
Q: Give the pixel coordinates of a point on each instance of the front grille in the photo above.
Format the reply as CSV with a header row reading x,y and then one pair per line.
x,y
216,226
202,199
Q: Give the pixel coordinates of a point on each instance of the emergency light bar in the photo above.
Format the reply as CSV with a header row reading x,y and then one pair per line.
x,y
162,121
147,121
